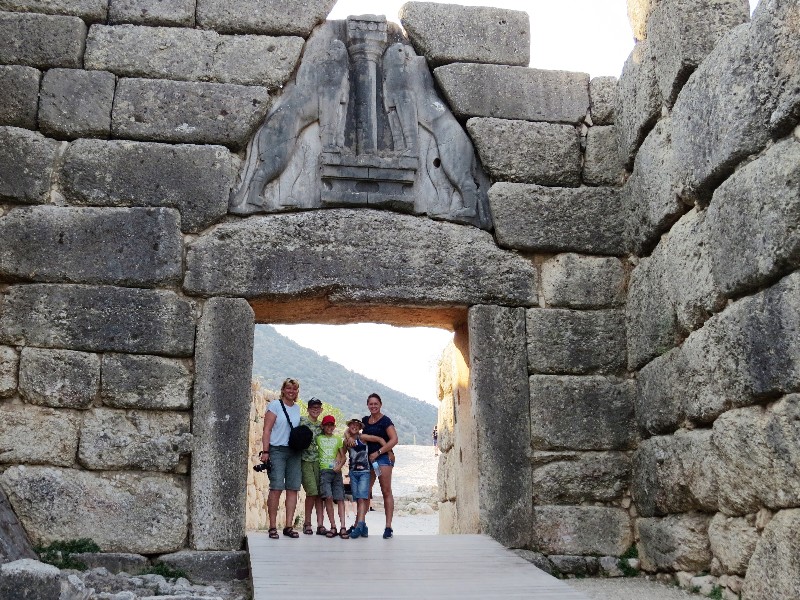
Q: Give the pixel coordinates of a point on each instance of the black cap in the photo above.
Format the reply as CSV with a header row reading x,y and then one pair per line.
x,y
314,402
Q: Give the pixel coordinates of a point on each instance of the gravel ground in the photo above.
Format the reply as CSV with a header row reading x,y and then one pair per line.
x,y
636,588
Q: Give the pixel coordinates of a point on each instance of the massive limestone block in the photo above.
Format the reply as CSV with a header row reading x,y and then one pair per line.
x,y
38,436
602,93
651,192
674,543
76,103
637,104
9,366
145,382
194,179
542,219
580,530
638,13
575,342
601,162
674,474
681,33
660,404
98,319
121,512
20,95
514,92
753,220
577,477
89,10
26,165
124,246
29,578
221,411
180,111
499,386
59,378
575,281
758,457
152,12
581,413
279,17
774,570
673,292
732,540
210,566
192,55
41,41
377,257
141,440
466,34
543,153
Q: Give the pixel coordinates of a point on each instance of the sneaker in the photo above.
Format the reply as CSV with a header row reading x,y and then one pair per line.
x,y
364,529
356,532
387,533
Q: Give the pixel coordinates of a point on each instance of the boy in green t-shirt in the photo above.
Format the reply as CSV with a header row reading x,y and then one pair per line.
x,y
330,452
310,469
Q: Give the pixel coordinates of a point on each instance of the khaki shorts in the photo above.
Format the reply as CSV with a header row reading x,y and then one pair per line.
x,y
311,477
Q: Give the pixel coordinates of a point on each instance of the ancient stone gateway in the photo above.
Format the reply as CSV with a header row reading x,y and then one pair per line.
x,y
618,260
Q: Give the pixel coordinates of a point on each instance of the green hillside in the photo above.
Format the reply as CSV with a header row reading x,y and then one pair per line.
x,y
276,357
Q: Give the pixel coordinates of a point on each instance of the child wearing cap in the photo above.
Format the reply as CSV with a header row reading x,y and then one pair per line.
x,y
330,453
359,476
310,469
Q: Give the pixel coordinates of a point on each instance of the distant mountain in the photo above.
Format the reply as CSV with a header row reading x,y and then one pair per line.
x,y
276,357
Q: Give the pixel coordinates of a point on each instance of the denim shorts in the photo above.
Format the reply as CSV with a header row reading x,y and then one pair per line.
x,y
385,461
359,482
311,477
331,484
286,472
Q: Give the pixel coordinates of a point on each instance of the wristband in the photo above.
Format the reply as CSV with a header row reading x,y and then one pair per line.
x,y
263,452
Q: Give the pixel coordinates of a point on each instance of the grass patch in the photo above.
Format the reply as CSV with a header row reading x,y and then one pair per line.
x,y
716,593
59,554
165,571
632,552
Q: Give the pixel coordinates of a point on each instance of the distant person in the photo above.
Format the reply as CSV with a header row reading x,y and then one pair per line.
x,y
358,454
435,435
331,454
285,474
377,425
310,470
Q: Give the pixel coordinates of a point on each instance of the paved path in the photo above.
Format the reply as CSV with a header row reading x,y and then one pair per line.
x,y
411,567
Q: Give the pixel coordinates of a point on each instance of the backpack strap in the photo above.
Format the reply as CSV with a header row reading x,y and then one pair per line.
x,y
283,406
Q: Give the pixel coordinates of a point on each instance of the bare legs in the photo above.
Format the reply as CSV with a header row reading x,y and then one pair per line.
x,y
314,503
386,489
273,500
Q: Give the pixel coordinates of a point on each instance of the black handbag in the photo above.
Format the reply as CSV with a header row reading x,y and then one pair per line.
x,y
299,437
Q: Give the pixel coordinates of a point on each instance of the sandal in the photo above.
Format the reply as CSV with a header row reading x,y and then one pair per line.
x,y
290,532
273,533
307,529
331,533
344,534
321,530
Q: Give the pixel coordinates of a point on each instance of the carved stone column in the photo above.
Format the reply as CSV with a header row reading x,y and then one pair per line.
x,y
366,41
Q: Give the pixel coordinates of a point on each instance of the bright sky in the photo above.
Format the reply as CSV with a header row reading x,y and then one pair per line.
x,y
590,36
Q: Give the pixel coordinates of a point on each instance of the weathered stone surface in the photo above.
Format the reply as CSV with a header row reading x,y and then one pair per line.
x,y
179,111
673,474
577,477
152,12
602,165
681,33
758,457
41,41
280,17
102,319
753,220
221,410
125,246
32,579
9,366
14,543
59,378
638,12
33,435
638,101
88,10
537,559
26,164
542,219
575,281
602,94
581,413
774,569
732,540
210,566
575,342
672,292
543,153
20,87
76,103
514,92
674,543
582,530
194,179
467,34
575,565
192,55
380,256
651,192
142,440
121,512
115,562
145,382
500,394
